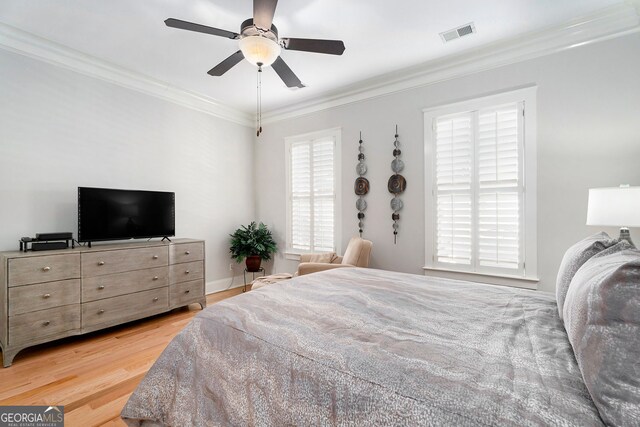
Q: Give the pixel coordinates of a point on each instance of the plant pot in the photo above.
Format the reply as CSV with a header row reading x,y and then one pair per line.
x,y
253,263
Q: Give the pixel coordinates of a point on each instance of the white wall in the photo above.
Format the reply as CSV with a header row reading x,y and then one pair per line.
x,y
60,130
588,136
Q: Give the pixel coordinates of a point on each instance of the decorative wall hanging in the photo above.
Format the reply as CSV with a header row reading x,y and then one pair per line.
x,y
361,186
396,185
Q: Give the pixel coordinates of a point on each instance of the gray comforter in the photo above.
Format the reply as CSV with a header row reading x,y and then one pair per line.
x,y
368,347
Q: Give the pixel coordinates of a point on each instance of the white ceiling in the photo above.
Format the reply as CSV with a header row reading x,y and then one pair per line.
x,y
380,36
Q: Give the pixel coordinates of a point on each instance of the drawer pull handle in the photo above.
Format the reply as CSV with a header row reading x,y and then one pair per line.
x,y
46,323
187,291
46,268
101,287
187,272
187,253
155,257
155,299
101,311
101,263
45,296
155,277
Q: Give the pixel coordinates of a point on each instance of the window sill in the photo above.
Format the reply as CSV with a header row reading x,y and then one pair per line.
x,y
293,256
492,279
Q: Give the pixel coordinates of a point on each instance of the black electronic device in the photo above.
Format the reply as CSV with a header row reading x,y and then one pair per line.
x,y
110,214
47,241
65,235
47,246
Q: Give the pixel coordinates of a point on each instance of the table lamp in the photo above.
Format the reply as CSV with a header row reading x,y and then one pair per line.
x,y
615,206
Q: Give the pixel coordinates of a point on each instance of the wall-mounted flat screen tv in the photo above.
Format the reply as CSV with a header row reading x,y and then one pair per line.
x,y
109,214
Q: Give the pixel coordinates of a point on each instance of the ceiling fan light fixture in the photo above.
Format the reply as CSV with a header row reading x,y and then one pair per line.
x,y
258,49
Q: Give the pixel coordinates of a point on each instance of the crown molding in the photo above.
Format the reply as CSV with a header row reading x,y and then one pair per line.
x,y
605,24
15,40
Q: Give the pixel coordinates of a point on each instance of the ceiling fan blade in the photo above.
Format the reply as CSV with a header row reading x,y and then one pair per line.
x,y
263,11
332,47
226,65
285,73
190,26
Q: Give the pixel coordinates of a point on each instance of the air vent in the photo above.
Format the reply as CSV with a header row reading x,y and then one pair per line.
x,y
456,33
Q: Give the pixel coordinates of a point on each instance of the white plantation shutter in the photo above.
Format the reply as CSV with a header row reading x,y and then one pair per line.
x,y
499,186
301,196
454,160
478,189
312,195
323,196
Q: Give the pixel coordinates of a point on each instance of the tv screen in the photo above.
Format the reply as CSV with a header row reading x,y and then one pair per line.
x,y
108,214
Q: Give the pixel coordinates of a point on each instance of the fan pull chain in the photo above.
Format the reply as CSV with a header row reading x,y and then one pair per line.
x,y
259,106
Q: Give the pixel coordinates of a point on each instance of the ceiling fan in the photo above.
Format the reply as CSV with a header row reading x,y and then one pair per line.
x,y
259,43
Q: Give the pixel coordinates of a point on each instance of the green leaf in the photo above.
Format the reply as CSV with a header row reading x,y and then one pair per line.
x,y
254,239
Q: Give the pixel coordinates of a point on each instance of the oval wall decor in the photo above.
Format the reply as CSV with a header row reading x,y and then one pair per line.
x,y
361,186
396,185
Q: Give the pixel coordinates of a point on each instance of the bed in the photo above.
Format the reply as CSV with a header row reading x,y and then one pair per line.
x,y
358,347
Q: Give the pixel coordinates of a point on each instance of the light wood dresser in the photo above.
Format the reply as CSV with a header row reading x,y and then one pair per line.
x,y
49,295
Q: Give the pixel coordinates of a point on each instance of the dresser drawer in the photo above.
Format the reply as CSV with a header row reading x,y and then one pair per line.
x,y
118,261
186,252
113,311
112,285
48,268
185,272
186,292
24,299
37,326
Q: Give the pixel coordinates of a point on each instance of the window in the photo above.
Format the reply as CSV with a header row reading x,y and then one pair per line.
x,y
480,215
312,192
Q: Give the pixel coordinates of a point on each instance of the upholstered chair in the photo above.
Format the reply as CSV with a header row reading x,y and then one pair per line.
x,y
357,255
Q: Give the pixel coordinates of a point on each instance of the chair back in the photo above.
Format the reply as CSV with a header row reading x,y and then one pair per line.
x,y
358,252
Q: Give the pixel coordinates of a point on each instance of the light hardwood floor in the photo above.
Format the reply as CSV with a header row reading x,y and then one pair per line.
x,y
93,375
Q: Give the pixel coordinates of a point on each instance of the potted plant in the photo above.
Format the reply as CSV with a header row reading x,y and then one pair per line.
x,y
253,242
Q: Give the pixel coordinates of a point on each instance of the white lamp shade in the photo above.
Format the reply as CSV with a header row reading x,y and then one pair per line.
x,y
258,49
614,206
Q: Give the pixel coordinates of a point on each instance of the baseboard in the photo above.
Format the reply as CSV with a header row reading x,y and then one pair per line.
x,y
223,284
